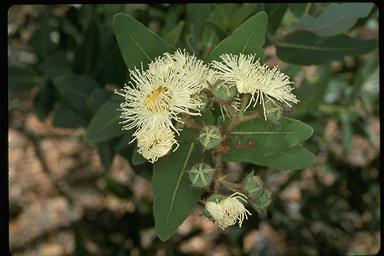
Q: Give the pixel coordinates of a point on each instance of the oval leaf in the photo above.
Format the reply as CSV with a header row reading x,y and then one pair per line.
x,y
173,36
263,143
175,198
75,89
248,38
305,48
335,19
137,43
270,136
105,123
296,157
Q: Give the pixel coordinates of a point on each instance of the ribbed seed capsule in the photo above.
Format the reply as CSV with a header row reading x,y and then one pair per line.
x,y
210,137
201,175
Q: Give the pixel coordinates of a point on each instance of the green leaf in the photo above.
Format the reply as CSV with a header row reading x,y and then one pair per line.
x,y
335,19
220,32
196,14
305,48
188,135
248,38
298,9
97,98
105,123
174,196
106,154
75,89
172,17
296,157
269,136
173,36
258,142
275,15
137,158
22,78
311,94
68,117
86,54
137,43
110,65
124,144
44,100
239,15
55,65
41,40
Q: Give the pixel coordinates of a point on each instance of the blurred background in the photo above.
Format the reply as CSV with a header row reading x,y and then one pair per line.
x,y
68,197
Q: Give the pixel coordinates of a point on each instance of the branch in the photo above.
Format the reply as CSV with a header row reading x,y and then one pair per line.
x,y
59,185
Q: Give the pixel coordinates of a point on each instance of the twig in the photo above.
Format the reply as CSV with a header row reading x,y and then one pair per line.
x,y
219,170
59,185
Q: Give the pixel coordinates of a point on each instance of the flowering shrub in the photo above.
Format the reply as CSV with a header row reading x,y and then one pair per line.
x,y
176,95
197,99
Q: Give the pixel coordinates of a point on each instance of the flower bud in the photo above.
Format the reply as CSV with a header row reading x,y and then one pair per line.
x,y
253,185
210,137
262,201
201,175
223,91
273,111
259,197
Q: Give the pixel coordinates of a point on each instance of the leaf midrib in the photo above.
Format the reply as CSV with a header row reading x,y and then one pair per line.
x,y
253,133
137,44
303,46
178,182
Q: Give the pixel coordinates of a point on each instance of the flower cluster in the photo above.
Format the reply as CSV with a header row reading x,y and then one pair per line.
x,y
156,98
249,76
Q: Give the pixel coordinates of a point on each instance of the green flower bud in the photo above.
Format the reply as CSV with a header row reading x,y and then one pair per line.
x,y
253,185
263,201
259,197
210,137
201,175
223,92
273,111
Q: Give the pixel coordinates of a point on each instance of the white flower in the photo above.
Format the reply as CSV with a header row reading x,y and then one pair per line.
x,y
159,94
249,76
155,143
229,210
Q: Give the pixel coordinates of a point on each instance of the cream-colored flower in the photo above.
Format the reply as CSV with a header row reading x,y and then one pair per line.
x,y
155,143
229,210
249,76
159,94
